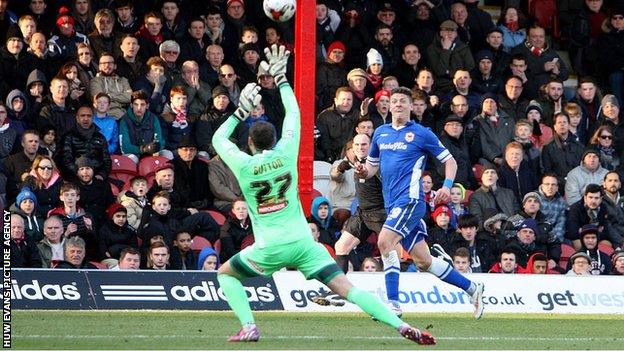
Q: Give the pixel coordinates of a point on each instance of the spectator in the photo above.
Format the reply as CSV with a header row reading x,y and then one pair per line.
x,y
610,48
76,222
500,57
448,54
381,111
481,247
599,261
330,75
8,134
193,48
327,21
461,260
574,112
553,206
408,66
511,23
543,61
507,263
358,85
128,64
197,91
532,156
77,89
115,236
321,214
542,133
602,142
126,22
617,261
496,129
580,264
271,99
103,39
212,118
537,264
457,203
552,100
209,68
175,121
370,264
342,181
26,206
174,25
62,46
588,172
105,123
169,52
249,63
96,193
24,253
314,230
440,233
208,260
158,256
353,33
515,173
182,257
489,195
585,29
58,111
588,97
610,114
563,153
85,64
236,229
19,164
38,46
223,185
28,27
74,252
45,181
421,114
129,259
479,23
17,112
35,92
511,101
135,200
484,78
86,140
17,63
151,34
51,247
155,84
117,87
191,175
139,130
611,186
336,124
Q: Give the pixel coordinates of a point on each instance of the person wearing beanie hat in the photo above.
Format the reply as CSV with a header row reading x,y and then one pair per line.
x,y
357,80
442,231
457,203
610,108
496,129
95,193
617,262
64,46
490,195
484,77
531,195
600,264
579,264
588,172
219,90
16,61
190,174
380,93
374,66
338,46
27,207
115,235
356,72
330,75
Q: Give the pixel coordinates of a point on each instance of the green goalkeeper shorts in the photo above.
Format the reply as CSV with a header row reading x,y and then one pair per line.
x,y
306,255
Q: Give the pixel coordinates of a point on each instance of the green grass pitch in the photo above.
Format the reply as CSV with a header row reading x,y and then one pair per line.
x,y
284,330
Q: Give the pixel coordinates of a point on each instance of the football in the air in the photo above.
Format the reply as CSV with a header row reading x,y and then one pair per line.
x,y
279,10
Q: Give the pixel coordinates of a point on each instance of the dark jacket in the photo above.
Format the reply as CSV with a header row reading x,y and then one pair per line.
x,y
501,199
561,157
520,182
62,118
232,234
95,199
207,125
112,239
47,198
15,70
493,137
90,143
187,262
336,129
483,253
134,133
444,63
193,180
536,66
25,254
461,153
274,108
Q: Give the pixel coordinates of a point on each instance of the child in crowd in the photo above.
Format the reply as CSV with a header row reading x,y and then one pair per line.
x,y
581,133
107,124
523,133
322,216
26,206
48,140
75,220
17,111
134,200
115,235
257,115
542,134
461,260
314,230
174,120
457,205
182,257
370,264
441,232
208,260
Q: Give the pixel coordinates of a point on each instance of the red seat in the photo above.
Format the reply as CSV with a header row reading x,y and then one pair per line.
x,y
566,252
247,241
477,169
316,193
217,216
606,249
467,196
217,246
545,14
199,242
123,168
148,165
114,189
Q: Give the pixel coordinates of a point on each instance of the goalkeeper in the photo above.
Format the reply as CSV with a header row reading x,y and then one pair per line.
x,y
268,180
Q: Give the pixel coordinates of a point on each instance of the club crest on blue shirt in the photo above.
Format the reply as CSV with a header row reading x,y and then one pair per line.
x,y
409,137
394,213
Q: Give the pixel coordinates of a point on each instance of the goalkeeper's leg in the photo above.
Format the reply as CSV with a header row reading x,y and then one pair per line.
x,y
230,282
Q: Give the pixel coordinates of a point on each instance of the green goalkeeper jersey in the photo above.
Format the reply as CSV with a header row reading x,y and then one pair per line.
x,y
269,178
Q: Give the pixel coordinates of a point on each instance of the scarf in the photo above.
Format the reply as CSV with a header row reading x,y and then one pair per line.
x,y
180,118
358,94
607,151
144,33
535,51
513,26
374,79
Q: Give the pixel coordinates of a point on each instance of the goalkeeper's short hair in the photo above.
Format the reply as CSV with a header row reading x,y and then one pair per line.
x,y
262,135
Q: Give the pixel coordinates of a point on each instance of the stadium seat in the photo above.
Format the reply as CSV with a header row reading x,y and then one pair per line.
x,y
566,252
316,193
477,169
123,168
247,241
467,196
148,165
199,243
114,189
217,246
217,216
606,249
321,177
99,265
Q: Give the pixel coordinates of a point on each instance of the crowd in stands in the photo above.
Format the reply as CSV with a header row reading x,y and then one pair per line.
x,y
108,108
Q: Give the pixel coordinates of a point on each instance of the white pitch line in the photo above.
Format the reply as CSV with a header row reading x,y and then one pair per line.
x,y
317,337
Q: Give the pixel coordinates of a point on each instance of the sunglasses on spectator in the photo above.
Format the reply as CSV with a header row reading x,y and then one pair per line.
x,y
43,168
227,75
606,137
